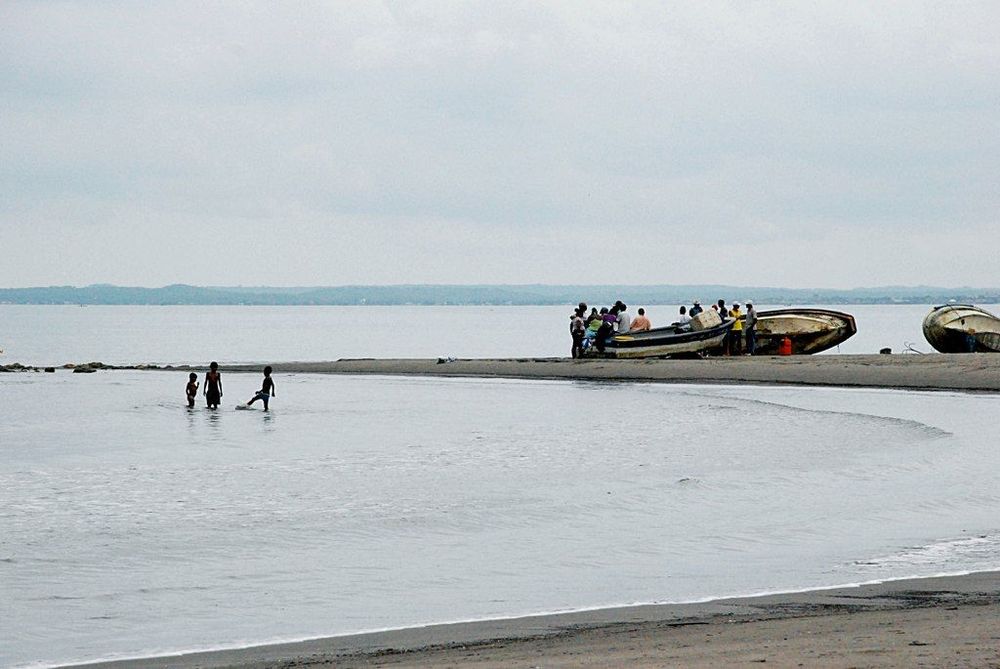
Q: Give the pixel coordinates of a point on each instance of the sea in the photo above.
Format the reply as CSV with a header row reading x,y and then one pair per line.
x,y
132,526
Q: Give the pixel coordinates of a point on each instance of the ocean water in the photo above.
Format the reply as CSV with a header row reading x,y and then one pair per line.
x,y
131,526
54,335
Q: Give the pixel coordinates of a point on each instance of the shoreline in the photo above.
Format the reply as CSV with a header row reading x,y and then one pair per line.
x,y
899,619
976,372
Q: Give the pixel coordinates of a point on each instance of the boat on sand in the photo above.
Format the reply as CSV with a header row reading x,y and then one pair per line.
x,y
703,335
810,330
962,328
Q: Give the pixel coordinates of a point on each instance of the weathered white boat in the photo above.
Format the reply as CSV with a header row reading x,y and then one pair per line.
x,y
962,328
810,330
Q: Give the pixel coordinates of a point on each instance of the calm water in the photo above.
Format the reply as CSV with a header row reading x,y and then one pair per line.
x,y
53,335
130,525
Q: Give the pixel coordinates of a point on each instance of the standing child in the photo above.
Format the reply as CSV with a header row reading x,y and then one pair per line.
x,y
192,389
213,386
266,391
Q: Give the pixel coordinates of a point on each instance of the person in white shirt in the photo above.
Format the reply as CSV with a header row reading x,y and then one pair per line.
x,y
624,320
682,317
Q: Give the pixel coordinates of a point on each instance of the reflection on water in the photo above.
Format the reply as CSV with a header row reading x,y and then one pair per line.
x,y
129,522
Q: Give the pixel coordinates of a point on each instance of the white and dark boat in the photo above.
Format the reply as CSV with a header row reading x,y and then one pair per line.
x,y
672,340
810,330
962,328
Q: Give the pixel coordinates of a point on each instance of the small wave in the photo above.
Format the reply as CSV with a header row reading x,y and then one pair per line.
x,y
971,553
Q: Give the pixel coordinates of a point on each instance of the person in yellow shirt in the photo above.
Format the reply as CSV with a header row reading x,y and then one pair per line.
x,y
641,323
736,334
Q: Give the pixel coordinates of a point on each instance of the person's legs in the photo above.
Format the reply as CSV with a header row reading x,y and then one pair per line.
x,y
751,341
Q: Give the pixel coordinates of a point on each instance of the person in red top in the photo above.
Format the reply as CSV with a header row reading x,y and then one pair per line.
x,y
640,323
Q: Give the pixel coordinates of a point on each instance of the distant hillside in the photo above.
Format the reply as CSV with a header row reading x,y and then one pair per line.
x,y
487,295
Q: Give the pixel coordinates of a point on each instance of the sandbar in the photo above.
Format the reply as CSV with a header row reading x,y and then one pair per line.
x,y
965,372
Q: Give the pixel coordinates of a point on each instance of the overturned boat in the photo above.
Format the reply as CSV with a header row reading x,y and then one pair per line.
x,y
962,328
704,334
810,330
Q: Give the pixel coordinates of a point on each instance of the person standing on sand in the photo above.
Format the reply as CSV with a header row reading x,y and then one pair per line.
x,y
736,334
577,330
750,327
213,386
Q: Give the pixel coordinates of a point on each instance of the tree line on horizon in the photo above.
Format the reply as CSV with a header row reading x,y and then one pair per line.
x,y
538,294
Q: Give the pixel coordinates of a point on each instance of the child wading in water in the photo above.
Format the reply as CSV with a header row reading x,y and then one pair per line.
x,y
192,389
213,386
266,391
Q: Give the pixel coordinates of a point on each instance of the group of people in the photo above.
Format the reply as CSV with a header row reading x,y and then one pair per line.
x,y
593,329
213,388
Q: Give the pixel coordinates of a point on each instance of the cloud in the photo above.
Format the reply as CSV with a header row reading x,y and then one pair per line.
x,y
561,125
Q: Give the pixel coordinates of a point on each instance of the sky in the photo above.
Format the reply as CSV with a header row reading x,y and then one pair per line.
x,y
800,144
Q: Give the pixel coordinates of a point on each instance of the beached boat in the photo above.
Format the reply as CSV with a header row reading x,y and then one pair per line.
x,y
962,328
810,330
665,341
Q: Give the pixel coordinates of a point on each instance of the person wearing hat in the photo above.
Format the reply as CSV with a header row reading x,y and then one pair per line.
x,y
696,309
736,334
750,328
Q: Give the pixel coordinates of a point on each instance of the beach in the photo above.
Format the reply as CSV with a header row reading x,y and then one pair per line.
x,y
936,621
968,372
943,621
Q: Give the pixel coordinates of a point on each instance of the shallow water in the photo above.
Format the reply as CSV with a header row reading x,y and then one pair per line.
x,y
130,525
54,335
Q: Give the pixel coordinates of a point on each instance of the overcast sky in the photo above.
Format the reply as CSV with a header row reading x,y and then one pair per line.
x,y
816,144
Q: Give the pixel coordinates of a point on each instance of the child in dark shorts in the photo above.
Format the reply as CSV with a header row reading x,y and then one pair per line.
x,y
213,386
192,389
266,391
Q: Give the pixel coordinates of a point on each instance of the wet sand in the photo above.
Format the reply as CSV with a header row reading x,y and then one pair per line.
x,y
969,372
946,621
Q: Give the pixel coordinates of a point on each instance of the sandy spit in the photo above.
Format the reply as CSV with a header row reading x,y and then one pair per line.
x,y
968,372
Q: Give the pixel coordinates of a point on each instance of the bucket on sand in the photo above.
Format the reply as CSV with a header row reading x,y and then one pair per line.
x,y
785,347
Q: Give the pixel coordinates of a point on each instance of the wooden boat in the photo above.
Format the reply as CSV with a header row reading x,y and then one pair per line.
x,y
962,328
665,342
811,330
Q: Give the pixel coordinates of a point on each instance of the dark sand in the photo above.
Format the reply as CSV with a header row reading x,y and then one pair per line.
x,y
970,372
947,621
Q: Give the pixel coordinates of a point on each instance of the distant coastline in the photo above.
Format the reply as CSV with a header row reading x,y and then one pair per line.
x,y
485,295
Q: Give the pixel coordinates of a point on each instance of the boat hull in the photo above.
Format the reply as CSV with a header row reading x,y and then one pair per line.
x,y
810,330
962,328
664,342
